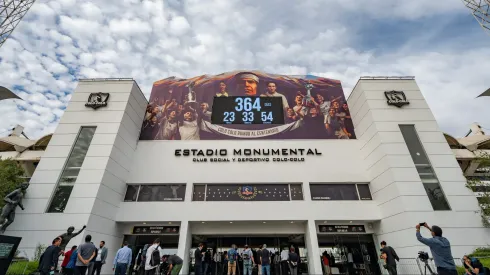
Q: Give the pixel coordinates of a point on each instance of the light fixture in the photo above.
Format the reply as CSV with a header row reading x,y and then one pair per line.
x,y
292,222
264,222
169,222
324,221
203,222
231,222
350,222
144,223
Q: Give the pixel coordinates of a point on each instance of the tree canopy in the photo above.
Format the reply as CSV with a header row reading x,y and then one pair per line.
x,y
10,177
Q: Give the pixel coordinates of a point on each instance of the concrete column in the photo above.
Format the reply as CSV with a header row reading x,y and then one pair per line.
x,y
185,242
311,238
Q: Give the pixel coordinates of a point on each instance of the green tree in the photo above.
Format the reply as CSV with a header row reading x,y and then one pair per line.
x,y
10,177
481,185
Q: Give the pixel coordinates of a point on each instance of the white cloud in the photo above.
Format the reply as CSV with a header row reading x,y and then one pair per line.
x,y
60,41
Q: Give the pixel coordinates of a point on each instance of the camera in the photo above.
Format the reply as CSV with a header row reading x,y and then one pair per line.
x,y
423,256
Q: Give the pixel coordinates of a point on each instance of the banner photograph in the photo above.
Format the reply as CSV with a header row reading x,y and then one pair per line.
x,y
247,105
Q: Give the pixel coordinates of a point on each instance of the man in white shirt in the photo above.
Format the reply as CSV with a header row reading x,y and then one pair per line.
x,y
284,261
272,92
151,269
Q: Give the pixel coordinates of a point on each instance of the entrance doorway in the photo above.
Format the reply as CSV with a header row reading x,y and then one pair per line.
x,y
217,246
349,253
168,246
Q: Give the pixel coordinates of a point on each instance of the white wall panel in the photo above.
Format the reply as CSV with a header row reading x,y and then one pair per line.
x,y
79,205
32,205
45,176
61,151
99,150
84,190
63,139
94,163
40,191
103,139
89,118
51,164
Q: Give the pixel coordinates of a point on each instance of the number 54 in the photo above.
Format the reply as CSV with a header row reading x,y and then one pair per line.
x,y
266,116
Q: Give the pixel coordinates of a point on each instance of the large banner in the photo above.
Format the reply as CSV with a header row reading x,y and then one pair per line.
x,y
247,105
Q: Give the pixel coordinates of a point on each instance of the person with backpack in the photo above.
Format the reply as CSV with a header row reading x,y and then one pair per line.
x,y
473,266
248,261
265,260
232,259
153,258
389,256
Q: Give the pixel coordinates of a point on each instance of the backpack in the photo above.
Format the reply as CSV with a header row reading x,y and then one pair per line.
x,y
231,255
155,257
246,256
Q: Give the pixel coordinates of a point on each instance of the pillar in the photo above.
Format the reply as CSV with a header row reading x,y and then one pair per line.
x,y
311,238
185,242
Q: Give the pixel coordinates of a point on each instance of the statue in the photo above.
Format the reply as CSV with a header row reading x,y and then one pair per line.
x,y
12,200
66,237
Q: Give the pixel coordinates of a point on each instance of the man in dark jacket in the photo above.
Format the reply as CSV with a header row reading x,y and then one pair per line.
x,y
391,256
50,257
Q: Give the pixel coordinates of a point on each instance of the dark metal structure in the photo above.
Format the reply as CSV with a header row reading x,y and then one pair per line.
x,y
480,10
6,93
11,13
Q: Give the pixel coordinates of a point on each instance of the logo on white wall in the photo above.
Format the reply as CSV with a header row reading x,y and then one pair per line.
x,y
97,100
396,98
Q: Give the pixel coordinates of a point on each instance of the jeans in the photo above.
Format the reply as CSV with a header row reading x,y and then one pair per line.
x,y
121,269
197,269
444,271
266,269
391,269
247,268
293,269
151,271
80,270
205,267
260,269
90,269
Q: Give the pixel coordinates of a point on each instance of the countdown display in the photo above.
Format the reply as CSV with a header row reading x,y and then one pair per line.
x,y
247,105
247,110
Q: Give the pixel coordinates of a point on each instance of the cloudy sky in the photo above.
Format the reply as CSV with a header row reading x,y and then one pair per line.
x,y
60,41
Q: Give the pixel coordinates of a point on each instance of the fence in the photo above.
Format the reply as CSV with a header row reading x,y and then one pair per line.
x,y
413,266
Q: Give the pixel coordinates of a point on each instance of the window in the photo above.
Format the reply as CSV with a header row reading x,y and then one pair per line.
x,y
296,192
71,170
424,168
333,192
364,192
153,192
199,193
132,193
247,192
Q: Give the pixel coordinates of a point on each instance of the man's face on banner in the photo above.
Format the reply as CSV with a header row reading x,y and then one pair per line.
x,y
222,86
250,86
271,87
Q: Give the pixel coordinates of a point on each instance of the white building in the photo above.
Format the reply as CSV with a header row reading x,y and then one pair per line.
x,y
96,158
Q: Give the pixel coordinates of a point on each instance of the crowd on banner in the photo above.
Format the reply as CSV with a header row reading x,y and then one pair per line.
x,y
168,117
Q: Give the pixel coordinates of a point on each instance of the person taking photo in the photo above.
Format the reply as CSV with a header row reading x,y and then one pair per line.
x,y
440,249
473,266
